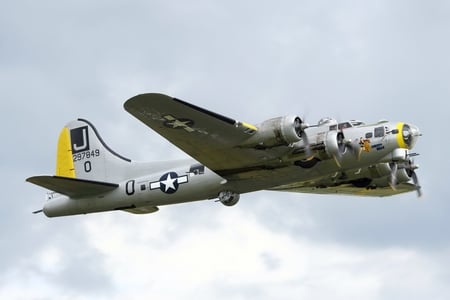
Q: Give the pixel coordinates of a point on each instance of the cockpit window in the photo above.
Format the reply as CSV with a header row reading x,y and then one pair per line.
x,y
344,125
357,123
379,131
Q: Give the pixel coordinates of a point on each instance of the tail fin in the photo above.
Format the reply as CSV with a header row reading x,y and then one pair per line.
x,y
82,154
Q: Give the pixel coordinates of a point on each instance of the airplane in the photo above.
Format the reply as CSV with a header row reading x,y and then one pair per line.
x,y
228,158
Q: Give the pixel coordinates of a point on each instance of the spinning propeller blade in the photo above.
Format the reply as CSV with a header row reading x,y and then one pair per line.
x,y
410,168
393,177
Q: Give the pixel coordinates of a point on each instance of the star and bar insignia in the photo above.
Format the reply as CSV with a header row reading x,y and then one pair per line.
x,y
169,182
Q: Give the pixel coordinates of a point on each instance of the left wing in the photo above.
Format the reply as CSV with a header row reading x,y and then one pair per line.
x,y
348,189
210,138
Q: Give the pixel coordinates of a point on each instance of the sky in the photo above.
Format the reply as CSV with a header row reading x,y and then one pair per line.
x,y
249,60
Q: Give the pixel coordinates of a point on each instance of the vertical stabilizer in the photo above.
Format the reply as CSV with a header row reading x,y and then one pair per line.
x,y
83,154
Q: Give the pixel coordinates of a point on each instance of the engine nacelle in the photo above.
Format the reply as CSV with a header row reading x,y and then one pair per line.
x,y
402,176
396,155
276,132
380,170
334,144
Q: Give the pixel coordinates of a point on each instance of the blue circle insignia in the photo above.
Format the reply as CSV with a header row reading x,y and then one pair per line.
x,y
169,183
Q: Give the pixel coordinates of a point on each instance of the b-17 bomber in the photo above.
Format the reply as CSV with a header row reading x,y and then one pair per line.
x,y
228,158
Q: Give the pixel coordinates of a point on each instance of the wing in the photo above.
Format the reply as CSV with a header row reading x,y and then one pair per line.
x,y
347,189
210,138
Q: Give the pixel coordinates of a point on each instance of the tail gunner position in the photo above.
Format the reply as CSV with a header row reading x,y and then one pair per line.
x,y
229,158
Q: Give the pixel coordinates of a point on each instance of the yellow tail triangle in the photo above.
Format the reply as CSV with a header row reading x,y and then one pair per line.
x,y
64,160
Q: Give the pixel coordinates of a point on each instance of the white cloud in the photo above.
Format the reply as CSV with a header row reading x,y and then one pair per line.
x,y
239,255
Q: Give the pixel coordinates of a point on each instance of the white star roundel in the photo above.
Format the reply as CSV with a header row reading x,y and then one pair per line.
x,y
169,182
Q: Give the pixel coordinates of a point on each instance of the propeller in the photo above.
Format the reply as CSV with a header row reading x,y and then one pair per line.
x,y
353,146
393,176
300,127
410,168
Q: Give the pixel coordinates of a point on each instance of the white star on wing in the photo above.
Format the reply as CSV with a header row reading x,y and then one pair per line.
x,y
178,123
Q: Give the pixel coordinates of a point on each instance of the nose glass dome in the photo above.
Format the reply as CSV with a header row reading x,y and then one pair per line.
x,y
410,134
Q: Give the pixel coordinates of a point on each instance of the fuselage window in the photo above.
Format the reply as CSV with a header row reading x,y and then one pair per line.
x,y
369,135
129,187
197,169
379,131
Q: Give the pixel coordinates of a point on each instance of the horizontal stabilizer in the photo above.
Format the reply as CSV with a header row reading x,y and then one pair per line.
x,y
72,187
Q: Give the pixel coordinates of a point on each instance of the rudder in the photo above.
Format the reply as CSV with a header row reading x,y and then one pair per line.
x,y
83,154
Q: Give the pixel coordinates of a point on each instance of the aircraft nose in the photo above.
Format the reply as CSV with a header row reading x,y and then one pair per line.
x,y
409,136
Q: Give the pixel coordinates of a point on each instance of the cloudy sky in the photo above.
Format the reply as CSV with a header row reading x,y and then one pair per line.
x,y
249,60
